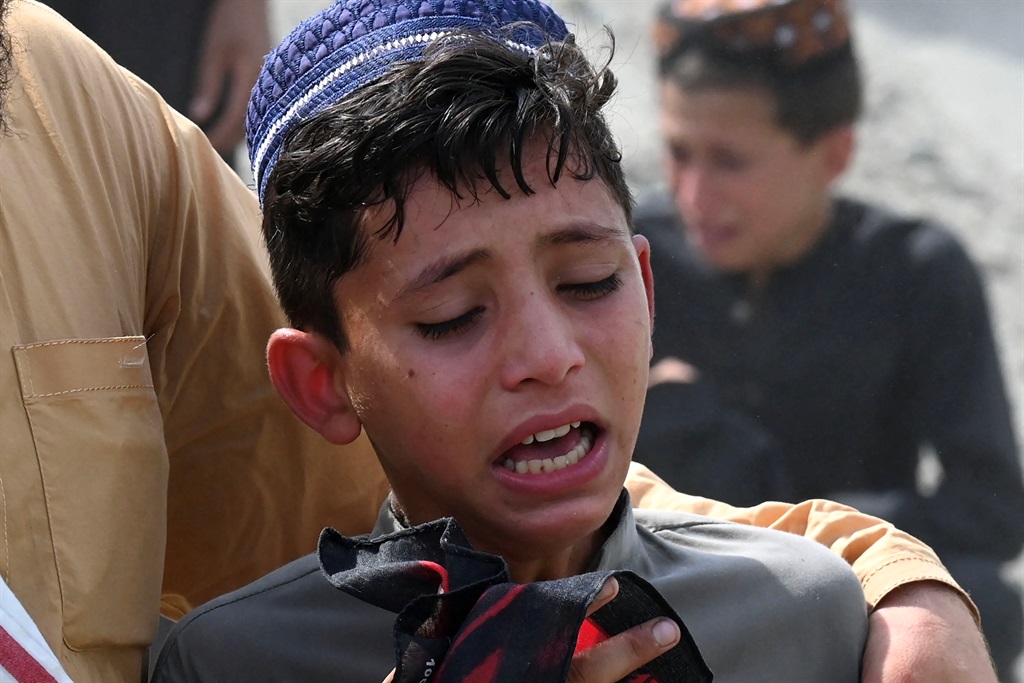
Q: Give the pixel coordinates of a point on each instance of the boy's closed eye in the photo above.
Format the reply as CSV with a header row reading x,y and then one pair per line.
x,y
453,326
719,158
581,291
728,160
679,154
587,291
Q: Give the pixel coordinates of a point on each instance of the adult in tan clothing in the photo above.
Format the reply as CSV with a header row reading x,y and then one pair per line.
x,y
136,420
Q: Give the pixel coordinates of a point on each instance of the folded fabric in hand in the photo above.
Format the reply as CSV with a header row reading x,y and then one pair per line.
x,y
460,619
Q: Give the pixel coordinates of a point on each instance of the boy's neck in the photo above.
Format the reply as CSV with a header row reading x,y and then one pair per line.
x,y
574,560
569,560
802,243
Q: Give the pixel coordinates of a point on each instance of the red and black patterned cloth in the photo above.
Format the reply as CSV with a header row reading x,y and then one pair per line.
x,y
460,619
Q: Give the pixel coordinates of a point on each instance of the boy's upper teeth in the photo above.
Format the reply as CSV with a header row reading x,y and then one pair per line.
x,y
539,465
548,434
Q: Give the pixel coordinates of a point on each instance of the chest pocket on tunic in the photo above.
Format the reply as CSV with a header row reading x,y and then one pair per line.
x,y
98,437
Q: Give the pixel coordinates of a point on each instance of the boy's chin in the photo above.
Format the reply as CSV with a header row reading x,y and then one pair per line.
x,y
552,529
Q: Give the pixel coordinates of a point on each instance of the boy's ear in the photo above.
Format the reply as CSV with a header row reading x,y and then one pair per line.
x,y
643,253
304,368
838,145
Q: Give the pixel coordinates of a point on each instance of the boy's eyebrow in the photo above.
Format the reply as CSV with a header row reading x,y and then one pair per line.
x,y
442,268
581,232
446,266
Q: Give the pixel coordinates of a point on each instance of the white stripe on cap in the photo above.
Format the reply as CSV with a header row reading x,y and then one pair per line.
x,y
293,111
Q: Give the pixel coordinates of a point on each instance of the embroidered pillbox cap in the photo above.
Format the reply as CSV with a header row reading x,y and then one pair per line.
x,y
355,42
791,33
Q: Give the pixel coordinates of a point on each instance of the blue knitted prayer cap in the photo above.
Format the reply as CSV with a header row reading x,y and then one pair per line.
x,y
354,42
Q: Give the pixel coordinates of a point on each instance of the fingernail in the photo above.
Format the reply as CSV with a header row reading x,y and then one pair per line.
x,y
666,632
607,589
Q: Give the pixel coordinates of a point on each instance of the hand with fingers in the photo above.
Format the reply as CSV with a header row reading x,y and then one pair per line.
x,y
622,654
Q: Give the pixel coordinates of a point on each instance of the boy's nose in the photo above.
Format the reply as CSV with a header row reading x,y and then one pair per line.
x,y
540,345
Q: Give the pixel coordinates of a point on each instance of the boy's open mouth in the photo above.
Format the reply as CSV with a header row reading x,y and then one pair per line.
x,y
551,450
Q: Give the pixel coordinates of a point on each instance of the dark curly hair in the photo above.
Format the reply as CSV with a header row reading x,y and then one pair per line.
x,y
810,100
461,115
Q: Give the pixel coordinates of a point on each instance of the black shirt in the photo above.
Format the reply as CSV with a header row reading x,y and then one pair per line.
x,y
830,379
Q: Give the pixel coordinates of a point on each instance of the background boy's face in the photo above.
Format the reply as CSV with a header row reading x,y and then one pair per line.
x,y
751,196
486,325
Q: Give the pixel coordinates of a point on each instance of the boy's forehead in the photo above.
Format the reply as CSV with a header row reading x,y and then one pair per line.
x,y
747,109
570,210
670,90
429,203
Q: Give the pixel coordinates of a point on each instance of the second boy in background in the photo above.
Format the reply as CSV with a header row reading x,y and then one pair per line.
x,y
839,340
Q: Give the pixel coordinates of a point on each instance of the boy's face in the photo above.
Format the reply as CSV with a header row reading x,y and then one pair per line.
x,y
486,327
751,195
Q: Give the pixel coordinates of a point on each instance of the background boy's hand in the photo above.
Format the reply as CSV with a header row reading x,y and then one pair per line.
x,y
671,370
236,39
924,633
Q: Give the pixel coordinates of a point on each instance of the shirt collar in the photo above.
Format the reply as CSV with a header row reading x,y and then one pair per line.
x,y
620,551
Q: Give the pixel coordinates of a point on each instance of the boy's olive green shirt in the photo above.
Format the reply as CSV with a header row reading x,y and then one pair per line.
x,y
135,409
135,405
